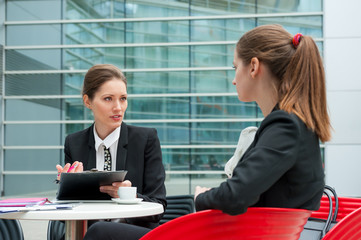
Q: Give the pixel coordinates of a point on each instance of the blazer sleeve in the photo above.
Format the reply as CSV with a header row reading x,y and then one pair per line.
x,y
153,179
154,174
272,154
67,154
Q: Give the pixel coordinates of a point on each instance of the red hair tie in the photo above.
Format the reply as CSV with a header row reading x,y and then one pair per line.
x,y
296,39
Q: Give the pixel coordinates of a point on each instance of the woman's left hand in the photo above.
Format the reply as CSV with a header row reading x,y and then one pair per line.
x,y
113,189
69,168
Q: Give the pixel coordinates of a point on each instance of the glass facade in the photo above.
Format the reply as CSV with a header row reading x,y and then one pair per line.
x,y
176,55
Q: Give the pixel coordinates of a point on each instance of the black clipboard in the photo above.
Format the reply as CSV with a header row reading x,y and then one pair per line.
x,y
85,185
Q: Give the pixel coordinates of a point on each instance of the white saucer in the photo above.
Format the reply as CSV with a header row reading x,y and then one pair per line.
x,y
127,201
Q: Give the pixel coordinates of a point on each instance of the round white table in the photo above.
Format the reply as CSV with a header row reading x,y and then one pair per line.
x,y
76,218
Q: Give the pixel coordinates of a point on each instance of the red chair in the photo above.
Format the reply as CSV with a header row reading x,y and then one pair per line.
x,y
256,223
346,205
349,228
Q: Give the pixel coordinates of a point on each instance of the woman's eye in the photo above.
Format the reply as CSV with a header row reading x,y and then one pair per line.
x,y
107,98
123,99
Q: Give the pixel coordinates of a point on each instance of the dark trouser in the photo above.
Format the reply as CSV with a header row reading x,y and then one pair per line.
x,y
115,231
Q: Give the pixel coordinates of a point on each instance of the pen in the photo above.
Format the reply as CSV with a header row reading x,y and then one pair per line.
x,y
72,167
57,181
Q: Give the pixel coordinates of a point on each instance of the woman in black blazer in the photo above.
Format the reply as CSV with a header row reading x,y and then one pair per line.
x,y
282,167
135,149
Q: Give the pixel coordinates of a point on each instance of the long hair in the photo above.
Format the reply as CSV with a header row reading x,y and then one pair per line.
x,y
299,70
99,74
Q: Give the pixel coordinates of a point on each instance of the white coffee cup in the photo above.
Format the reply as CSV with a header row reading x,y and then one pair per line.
x,y
127,192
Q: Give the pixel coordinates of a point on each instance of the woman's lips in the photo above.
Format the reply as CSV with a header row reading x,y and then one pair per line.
x,y
116,117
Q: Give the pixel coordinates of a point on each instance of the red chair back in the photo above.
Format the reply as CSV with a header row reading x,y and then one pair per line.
x,y
256,223
349,228
346,205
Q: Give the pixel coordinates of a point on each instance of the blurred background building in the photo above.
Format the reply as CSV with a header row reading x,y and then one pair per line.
x,y
177,56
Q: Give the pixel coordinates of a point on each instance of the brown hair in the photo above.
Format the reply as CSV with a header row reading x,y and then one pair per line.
x,y
99,74
301,79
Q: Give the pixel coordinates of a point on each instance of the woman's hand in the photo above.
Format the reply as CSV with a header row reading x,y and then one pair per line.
x,y
113,189
75,167
200,190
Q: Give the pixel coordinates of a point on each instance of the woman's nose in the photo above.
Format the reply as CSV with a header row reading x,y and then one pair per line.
x,y
234,81
117,105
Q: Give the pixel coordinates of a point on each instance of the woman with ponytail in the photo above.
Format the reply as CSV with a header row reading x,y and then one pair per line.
x,y
282,167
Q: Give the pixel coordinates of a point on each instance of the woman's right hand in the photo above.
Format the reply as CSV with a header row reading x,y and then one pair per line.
x,y
112,190
75,167
200,190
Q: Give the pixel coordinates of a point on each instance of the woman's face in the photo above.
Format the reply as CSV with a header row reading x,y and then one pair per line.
x,y
243,80
108,106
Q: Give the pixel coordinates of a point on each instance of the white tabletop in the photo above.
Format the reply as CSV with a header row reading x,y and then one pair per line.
x,y
88,211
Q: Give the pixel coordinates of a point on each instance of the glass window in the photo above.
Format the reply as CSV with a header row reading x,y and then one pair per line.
x,y
44,59
29,184
43,34
33,84
196,159
214,133
189,108
320,47
279,6
214,81
157,57
72,128
84,58
157,82
33,109
222,107
220,30
155,31
306,25
33,10
35,160
34,134
94,33
79,9
211,56
214,7
165,8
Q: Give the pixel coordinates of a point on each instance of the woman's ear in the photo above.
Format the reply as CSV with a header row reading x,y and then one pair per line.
x,y
254,67
86,101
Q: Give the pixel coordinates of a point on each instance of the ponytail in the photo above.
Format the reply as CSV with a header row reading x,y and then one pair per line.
x,y
302,90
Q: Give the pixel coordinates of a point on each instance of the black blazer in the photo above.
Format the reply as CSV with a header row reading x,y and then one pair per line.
x,y
281,168
138,152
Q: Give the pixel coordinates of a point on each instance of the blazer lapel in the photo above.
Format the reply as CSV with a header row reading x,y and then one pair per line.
x,y
92,154
122,147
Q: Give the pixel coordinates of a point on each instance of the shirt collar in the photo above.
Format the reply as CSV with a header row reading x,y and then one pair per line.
x,y
108,141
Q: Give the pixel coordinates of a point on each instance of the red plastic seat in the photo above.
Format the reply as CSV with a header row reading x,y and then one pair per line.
x,y
256,223
346,206
349,228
